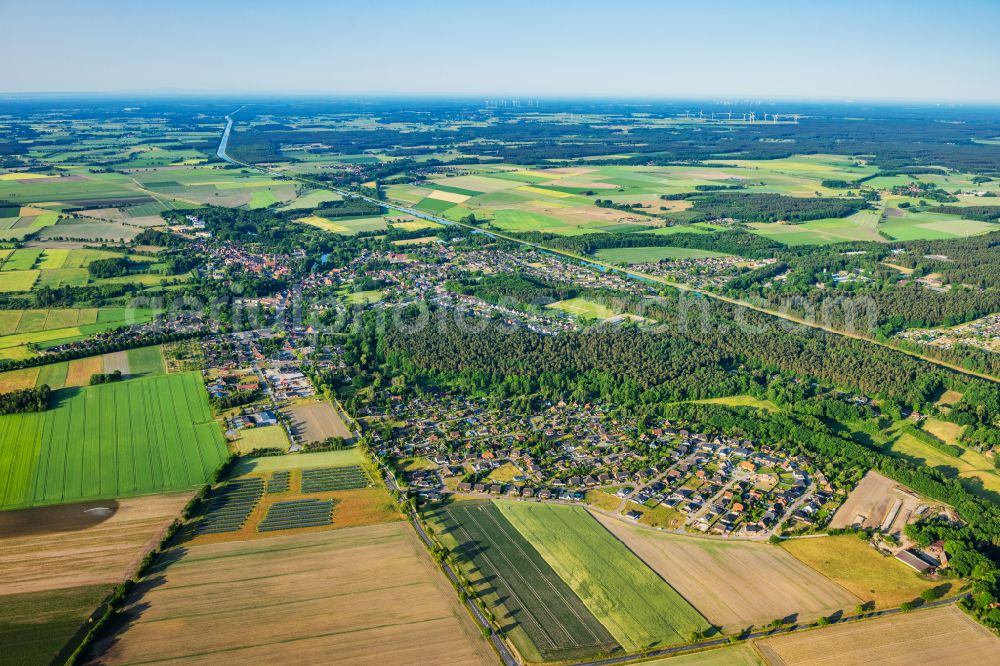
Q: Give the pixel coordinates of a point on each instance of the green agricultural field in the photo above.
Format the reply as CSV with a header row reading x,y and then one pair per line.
x,y
345,458
974,470
18,280
933,226
19,328
146,361
21,260
268,437
543,617
862,226
581,307
34,626
311,199
642,255
370,296
638,608
262,199
129,438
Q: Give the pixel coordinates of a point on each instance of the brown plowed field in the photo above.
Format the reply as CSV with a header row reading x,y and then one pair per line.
x,y
73,545
734,583
366,595
940,636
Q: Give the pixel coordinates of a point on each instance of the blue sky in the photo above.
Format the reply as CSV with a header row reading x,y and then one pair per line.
x,y
720,50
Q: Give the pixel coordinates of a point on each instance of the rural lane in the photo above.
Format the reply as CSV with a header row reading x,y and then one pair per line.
x,y
222,153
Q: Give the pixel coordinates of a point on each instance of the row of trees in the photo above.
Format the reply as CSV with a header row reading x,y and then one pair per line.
x,y
25,400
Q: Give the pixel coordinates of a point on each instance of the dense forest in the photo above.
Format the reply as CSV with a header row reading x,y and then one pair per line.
x,y
730,241
25,400
899,139
765,207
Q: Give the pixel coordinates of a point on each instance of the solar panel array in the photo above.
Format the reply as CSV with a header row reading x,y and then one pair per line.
x,y
326,479
294,514
279,482
229,509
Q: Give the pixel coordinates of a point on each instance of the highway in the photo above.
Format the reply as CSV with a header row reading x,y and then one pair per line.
x,y
224,143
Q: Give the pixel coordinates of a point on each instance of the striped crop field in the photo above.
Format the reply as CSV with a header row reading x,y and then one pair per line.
x,y
639,609
124,439
543,617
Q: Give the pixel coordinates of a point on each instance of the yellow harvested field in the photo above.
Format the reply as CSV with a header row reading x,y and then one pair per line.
x,y
415,241
859,568
71,545
316,421
324,224
732,655
949,398
22,175
16,380
543,191
944,636
368,595
413,225
81,369
453,197
734,584
947,432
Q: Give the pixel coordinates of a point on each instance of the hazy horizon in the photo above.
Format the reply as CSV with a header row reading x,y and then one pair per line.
x,y
849,51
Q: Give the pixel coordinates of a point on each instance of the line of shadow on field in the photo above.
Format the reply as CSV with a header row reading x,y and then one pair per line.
x,y
131,609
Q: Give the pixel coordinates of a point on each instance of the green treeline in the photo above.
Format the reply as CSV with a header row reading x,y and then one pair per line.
x,y
932,441
25,400
105,377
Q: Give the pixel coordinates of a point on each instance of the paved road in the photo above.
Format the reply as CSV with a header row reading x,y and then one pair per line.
x,y
223,143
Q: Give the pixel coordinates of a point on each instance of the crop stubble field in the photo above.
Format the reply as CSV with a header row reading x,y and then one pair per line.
x,y
327,597
72,545
58,563
940,636
735,584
